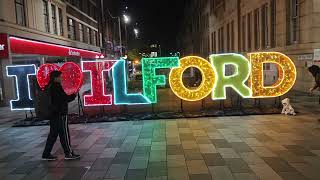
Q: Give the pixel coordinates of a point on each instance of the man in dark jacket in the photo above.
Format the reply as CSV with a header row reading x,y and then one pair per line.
x,y
58,104
315,71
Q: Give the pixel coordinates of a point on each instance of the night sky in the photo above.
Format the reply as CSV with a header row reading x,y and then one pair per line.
x,y
158,20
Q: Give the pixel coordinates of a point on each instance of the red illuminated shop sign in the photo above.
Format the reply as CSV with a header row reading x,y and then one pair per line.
x,y
23,46
4,46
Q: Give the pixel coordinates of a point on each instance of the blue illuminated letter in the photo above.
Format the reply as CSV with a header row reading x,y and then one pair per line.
x,y
21,74
121,96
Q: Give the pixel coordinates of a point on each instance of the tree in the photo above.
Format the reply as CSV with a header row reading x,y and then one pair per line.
x,y
134,55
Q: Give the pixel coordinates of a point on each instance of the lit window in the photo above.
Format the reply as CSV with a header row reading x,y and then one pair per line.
x,y
81,33
71,29
20,12
46,16
60,21
54,19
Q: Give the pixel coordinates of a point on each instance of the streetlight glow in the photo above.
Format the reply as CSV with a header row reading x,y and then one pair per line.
x,y
126,19
136,31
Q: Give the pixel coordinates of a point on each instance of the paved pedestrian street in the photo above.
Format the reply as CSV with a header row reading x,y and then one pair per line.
x,y
242,148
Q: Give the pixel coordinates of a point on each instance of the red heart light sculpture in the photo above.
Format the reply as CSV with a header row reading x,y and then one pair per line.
x,y
72,77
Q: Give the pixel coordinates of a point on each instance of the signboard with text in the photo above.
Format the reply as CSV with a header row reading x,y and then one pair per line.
x,y
4,46
214,78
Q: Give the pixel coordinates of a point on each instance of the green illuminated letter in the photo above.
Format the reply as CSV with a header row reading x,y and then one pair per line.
x,y
150,79
236,80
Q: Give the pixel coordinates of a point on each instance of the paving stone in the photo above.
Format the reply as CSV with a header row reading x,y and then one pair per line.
x,y
245,176
139,163
135,174
292,176
94,175
157,169
241,147
186,137
228,153
207,148
202,140
213,159
263,171
298,150
178,173
279,165
221,172
200,176
101,164
251,158
257,147
192,155
189,145
175,150
307,171
158,156
197,167
237,165
76,173
264,152
117,171
221,143
122,158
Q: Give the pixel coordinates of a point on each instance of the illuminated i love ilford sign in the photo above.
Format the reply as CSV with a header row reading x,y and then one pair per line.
x,y
214,79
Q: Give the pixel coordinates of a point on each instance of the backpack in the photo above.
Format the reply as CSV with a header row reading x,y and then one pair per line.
x,y
44,104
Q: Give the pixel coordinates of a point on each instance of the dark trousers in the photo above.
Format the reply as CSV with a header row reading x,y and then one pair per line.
x,y
58,126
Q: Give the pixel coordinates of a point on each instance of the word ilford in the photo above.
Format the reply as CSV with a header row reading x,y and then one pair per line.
x,y
247,78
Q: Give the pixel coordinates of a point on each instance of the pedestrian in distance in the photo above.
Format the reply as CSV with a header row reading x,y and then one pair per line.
x,y
58,110
315,71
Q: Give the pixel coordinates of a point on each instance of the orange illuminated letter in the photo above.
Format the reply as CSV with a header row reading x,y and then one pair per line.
x,y
286,70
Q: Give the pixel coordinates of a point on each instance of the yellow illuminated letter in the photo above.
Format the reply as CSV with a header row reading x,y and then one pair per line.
x,y
208,79
287,74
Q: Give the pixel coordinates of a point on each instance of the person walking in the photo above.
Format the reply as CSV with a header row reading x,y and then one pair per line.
x,y
58,110
315,71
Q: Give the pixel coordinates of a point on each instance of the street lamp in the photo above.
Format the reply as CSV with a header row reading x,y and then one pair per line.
x,y
136,32
126,19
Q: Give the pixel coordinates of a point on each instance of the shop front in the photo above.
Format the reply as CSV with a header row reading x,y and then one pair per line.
x,y
20,51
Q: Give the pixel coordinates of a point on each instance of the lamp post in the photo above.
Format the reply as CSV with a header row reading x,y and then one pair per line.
x,y
126,20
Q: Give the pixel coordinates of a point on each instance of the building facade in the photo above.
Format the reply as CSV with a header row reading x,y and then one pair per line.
x,y
244,26
65,30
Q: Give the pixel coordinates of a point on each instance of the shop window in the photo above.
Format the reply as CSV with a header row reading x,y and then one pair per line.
x,y
60,21
20,12
232,35
265,26
214,42
95,38
71,29
293,26
243,25
81,33
46,16
221,40
228,37
89,40
273,14
249,31
256,29
81,4
54,19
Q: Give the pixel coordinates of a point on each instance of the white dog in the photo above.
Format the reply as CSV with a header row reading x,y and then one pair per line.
x,y
287,108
